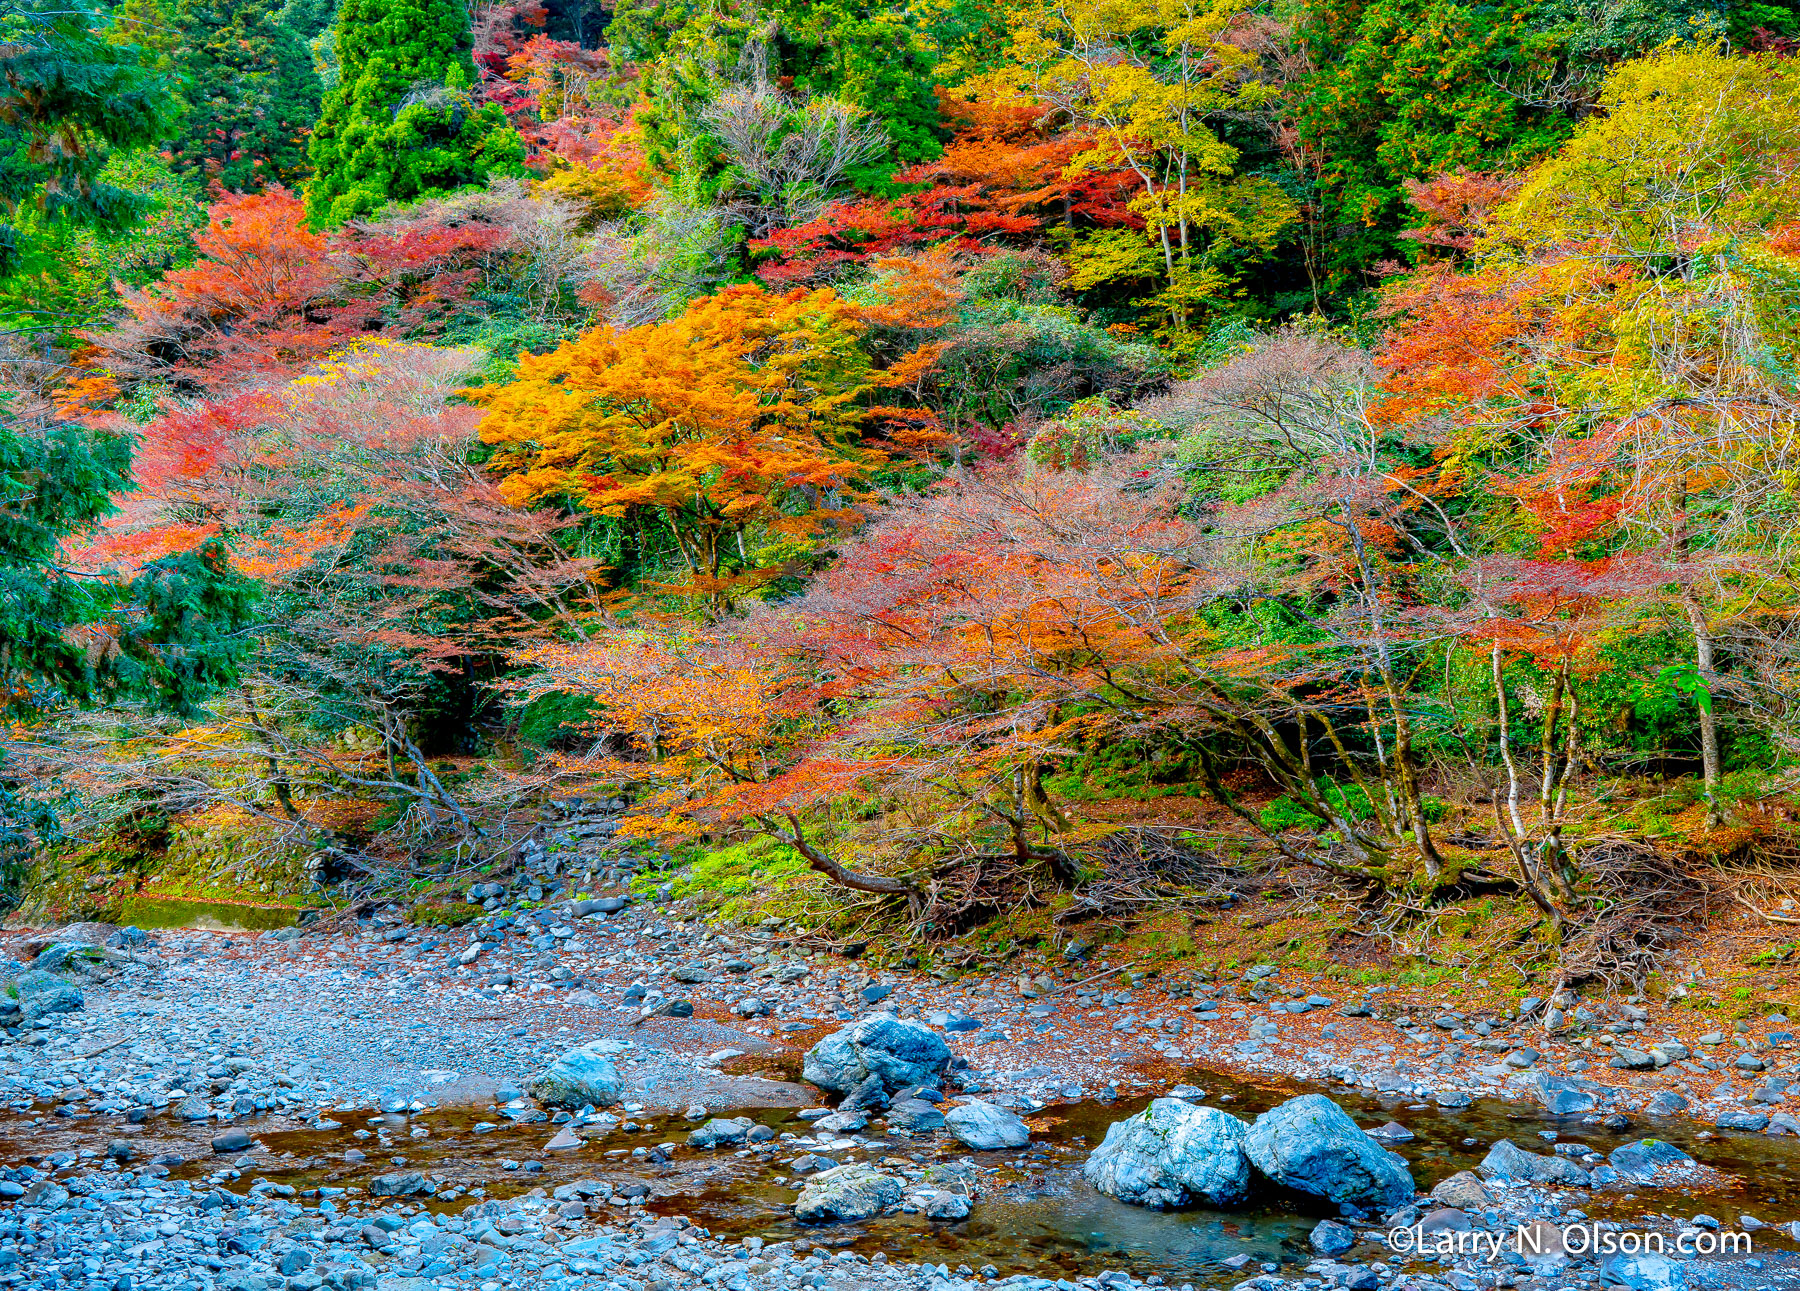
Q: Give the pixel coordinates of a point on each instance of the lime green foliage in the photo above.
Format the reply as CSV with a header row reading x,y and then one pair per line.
x,y
1686,678
251,94
167,912
875,59
1284,814
737,878
401,122
551,719
1125,769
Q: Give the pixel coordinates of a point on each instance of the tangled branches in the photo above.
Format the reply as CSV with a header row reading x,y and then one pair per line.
x,y
1644,902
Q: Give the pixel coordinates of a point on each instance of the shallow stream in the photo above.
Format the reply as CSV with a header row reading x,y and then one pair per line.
x,y
1035,1215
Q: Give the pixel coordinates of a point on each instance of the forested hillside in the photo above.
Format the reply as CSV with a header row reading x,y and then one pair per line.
x,y
1313,476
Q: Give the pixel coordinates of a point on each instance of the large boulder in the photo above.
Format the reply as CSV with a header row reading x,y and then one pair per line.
x,y
1172,1153
40,994
578,1078
1311,1145
1508,1161
901,1053
848,1192
1643,1271
986,1128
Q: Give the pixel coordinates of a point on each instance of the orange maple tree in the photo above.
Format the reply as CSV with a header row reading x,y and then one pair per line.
x,y
737,426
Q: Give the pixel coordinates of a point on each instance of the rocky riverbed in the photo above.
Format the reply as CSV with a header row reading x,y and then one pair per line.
x,y
355,1107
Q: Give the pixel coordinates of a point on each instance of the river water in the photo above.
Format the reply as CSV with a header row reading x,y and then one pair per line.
x,y
1036,1215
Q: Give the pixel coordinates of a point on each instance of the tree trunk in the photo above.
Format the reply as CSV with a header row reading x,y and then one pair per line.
x,y
1547,745
1706,662
795,837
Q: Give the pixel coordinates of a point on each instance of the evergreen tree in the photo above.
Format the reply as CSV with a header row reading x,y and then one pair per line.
x,y
1407,89
401,122
251,93
68,99
172,634
307,19
168,638
150,25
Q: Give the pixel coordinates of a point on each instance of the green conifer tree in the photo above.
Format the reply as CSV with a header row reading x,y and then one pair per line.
x,y
251,94
68,99
401,122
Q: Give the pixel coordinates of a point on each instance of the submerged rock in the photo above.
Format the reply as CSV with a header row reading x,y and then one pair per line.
x,y
577,1078
721,1132
1172,1153
901,1053
1311,1145
848,1192
1507,1160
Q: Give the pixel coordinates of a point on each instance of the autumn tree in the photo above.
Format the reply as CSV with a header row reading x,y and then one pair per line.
x,y
1605,353
266,295
1003,181
1148,82
964,646
733,429
391,578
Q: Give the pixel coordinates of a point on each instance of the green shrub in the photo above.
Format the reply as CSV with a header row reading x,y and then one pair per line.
x,y
1284,814
554,719
1090,430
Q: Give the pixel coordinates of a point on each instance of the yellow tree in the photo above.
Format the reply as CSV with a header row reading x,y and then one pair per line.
x,y
736,421
1629,321
1145,78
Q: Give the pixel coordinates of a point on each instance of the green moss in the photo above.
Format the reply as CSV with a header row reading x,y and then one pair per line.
x,y
735,879
168,912
444,914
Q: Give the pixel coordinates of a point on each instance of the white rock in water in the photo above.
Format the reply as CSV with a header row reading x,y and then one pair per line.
x,y
986,1128
1171,1153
